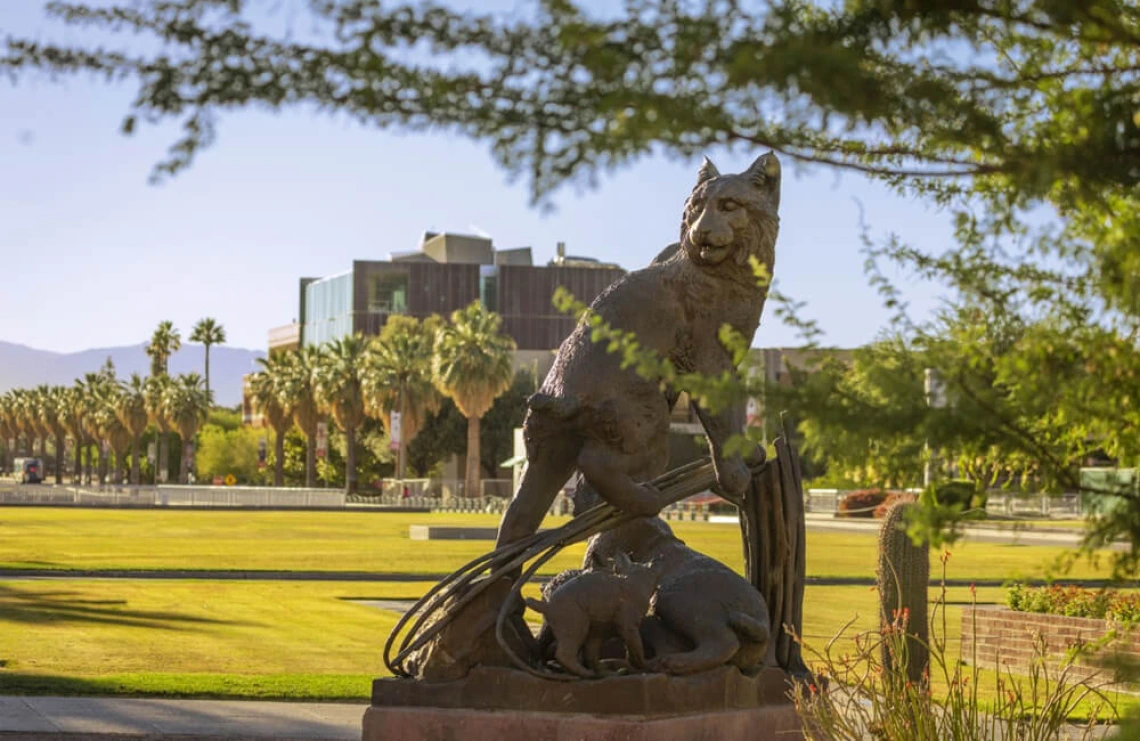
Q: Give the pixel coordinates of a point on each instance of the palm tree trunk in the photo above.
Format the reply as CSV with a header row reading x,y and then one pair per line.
x,y
187,454
163,457
87,460
208,373
350,461
59,452
471,483
77,471
43,449
102,463
278,458
134,461
311,458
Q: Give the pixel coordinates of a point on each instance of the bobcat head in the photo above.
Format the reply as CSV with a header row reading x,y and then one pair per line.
x,y
733,216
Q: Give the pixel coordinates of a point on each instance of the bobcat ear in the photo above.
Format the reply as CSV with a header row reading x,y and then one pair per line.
x,y
764,171
707,172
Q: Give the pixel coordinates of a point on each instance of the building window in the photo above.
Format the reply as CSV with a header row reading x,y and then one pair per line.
x,y
489,287
328,309
388,294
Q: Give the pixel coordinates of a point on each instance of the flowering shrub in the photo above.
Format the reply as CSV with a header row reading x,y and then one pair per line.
x,y
1074,601
892,499
861,503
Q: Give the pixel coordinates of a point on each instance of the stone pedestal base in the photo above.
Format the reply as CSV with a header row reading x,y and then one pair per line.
x,y
777,723
497,704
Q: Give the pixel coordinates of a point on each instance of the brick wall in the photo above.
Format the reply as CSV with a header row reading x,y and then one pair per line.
x,y
1007,638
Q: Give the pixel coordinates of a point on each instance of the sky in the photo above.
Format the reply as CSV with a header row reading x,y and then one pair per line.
x,y
94,256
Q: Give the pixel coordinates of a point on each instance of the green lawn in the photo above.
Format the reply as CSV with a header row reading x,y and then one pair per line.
x,y
60,539
261,639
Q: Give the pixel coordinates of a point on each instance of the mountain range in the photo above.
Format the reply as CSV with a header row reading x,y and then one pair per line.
x,y
26,367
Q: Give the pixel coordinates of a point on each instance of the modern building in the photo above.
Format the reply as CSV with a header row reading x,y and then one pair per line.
x,y
446,273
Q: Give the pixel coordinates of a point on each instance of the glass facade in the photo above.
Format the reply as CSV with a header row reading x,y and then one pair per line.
x,y
489,286
388,293
328,309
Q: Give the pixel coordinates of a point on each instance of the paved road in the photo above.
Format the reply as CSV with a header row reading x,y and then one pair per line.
x,y
72,718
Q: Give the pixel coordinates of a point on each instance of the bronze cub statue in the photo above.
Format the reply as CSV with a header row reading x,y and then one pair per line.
x,y
704,614
610,423
591,606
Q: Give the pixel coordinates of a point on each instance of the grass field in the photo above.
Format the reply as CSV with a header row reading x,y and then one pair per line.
x,y
309,639
61,539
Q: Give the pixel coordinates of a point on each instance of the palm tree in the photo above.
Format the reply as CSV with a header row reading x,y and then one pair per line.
x,y
472,366
165,341
92,396
156,387
132,413
298,391
398,378
109,431
208,332
71,416
24,410
267,387
40,401
51,416
338,391
187,405
7,430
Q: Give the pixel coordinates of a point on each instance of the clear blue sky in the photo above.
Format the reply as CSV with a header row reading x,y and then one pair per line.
x,y
95,257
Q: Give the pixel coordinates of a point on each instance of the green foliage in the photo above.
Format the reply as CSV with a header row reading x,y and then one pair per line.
x,y
227,419
224,451
1076,601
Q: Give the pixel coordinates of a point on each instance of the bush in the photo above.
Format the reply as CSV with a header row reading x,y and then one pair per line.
x,y
960,493
861,503
1074,601
892,499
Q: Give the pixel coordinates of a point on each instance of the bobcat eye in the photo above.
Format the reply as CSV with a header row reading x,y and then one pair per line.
x,y
729,205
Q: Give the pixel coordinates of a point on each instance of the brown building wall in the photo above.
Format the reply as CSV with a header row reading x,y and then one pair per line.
x,y
525,300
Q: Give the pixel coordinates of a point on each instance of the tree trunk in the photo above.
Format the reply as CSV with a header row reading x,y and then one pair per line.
x,y
208,374
102,463
187,454
350,461
311,458
77,471
162,471
278,458
87,461
471,483
60,449
134,461
43,450
402,450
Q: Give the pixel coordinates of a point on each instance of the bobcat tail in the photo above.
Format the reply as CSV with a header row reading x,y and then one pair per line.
x,y
556,406
537,605
748,627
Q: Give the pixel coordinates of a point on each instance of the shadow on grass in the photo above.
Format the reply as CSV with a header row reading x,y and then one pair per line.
x,y
295,687
45,607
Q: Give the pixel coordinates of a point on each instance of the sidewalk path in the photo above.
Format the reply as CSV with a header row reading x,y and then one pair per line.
x,y
70,718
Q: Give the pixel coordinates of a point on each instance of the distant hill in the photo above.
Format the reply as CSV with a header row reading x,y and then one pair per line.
x,y
23,367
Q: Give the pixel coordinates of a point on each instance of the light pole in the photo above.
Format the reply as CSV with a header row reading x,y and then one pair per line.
x,y
935,399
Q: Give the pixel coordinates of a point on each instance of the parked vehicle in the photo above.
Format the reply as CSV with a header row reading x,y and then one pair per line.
x,y
30,470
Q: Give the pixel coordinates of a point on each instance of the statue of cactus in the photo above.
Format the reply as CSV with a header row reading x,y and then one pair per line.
x,y
904,574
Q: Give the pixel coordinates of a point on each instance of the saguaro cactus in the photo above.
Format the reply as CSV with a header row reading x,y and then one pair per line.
x,y
904,574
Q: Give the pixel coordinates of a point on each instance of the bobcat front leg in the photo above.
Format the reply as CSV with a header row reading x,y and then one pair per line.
x,y
732,473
